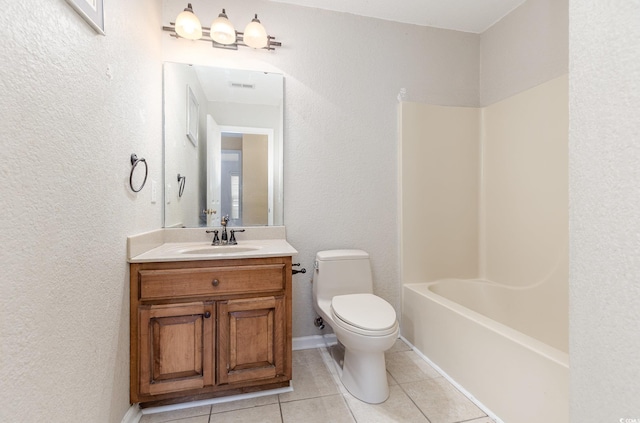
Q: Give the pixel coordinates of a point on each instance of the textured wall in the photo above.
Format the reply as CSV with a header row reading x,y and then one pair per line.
x,y
74,106
342,77
604,151
524,49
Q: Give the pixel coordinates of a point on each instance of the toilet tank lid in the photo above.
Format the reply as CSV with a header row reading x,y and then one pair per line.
x,y
341,255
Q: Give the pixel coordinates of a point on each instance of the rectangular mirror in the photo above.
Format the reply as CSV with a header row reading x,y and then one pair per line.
x,y
222,146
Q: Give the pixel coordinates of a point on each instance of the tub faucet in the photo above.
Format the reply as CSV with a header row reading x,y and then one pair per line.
x,y
223,222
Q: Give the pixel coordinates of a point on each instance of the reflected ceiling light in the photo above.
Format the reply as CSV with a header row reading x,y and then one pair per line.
x,y
188,25
222,34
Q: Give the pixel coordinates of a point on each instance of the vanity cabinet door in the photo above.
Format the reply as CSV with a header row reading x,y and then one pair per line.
x,y
251,344
176,347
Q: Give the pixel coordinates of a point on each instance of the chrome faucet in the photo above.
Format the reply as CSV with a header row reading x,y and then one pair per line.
x,y
223,222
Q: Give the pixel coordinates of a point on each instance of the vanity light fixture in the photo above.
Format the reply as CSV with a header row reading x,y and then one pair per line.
x,y
221,34
255,35
188,25
222,31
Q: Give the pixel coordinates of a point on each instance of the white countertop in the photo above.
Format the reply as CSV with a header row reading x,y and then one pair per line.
x,y
189,251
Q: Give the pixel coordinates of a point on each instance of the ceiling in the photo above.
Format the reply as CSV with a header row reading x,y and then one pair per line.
x,y
461,15
240,86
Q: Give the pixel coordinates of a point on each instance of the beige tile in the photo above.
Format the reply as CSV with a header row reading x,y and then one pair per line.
x,y
317,410
198,419
337,354
311,378
177,415
441,402
399,346
264,414
390,379
334,368
407,366
397,408
245,403
481,420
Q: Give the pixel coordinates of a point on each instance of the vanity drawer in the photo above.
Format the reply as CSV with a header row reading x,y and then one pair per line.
x,y
207,281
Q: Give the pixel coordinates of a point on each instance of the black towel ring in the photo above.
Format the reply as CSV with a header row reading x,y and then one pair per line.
x,y
181,181
134,162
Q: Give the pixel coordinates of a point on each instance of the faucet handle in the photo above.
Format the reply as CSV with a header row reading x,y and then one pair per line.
x,y
224,220
232,240
216,240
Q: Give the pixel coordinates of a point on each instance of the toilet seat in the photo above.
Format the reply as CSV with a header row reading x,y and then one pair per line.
x,y
366,314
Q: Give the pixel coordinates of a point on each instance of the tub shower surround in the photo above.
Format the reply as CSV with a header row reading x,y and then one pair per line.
x,y
485,248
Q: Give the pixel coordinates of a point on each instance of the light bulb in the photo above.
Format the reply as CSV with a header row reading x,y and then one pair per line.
x,y
222,31
188,25
255,35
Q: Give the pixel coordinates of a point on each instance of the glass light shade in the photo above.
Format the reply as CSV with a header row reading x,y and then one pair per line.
x,y
188,25
222,31
255,35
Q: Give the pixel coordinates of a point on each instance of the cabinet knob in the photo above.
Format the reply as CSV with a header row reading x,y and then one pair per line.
x,y
215,282
207,314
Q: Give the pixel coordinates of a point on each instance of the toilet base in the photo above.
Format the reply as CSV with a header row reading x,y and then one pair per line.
x,y
364,374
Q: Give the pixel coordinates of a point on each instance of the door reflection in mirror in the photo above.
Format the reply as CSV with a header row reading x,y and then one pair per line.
x,y
245,179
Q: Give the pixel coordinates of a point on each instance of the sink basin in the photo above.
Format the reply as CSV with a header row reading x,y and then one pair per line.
x,y
219,249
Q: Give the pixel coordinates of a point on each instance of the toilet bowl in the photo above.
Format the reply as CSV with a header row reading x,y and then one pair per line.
x,y
366,325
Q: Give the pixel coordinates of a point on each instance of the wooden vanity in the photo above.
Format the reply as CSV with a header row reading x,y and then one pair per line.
x,y
208,328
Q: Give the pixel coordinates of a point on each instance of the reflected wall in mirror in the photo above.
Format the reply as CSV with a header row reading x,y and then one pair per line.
x,y
235,166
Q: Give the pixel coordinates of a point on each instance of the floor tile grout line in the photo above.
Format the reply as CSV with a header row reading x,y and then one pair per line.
x,y
355,419
243,408
280,407
334,373
414,403
317,396
475,418
332,368
463,394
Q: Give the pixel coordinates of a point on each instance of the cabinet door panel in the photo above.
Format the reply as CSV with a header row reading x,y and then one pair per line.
x,y
176,346
250,339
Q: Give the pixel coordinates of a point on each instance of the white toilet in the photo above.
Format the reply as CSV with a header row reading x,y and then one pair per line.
x,y
365,324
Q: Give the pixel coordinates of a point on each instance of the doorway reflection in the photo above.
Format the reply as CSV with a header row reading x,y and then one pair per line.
x,y
245,178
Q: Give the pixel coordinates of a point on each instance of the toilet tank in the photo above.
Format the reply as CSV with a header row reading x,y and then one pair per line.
x,y
340,272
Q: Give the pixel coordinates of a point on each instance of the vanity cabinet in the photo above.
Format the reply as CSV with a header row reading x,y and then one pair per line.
x,y
208,328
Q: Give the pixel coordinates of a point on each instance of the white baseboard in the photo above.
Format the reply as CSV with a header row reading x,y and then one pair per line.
x,y
133,414
315,341
218,400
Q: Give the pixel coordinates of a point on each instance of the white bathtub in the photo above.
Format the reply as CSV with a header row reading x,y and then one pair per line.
x,y
507,347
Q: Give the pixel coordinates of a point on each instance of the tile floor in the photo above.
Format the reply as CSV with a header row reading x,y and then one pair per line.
x,y
418,394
